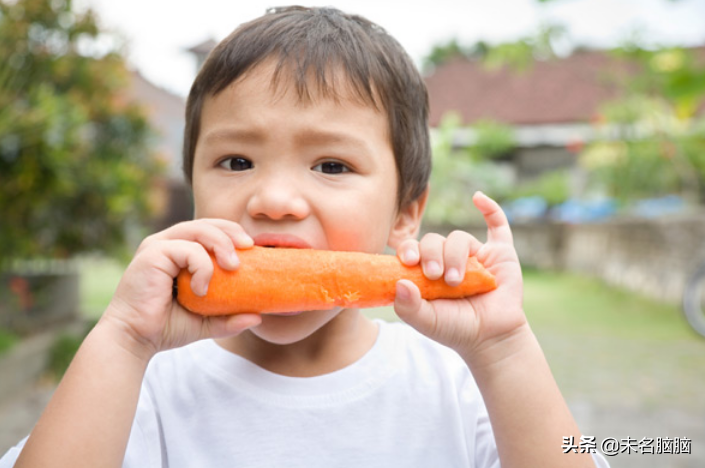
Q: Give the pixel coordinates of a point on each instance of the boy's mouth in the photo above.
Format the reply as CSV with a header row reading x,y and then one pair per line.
x,y
274,240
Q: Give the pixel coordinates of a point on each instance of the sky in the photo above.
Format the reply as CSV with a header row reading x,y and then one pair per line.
x,y
158,32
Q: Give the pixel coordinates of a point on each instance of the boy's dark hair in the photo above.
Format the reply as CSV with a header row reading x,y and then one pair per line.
x,y
318,42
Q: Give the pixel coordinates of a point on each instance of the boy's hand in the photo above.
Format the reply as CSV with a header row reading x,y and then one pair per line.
x,y
143,311
472,324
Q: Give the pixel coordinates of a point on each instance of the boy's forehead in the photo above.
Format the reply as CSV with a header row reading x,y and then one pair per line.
x,y
278,80
263,98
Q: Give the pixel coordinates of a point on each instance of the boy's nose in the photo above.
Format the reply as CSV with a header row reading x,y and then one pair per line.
x,y
278,198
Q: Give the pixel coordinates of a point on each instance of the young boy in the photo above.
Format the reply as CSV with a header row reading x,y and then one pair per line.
x,y
306,128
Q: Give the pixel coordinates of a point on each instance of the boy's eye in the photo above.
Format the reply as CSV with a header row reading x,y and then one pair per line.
x,y
236,164
331,168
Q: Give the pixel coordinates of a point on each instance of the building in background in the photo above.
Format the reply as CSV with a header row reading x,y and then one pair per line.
x,y
550,105
201,50
165,112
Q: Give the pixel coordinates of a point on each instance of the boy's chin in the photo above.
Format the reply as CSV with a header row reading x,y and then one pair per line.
x,y
287,328
286,314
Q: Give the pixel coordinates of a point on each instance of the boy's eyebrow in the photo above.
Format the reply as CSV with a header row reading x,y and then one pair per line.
x,y
306,137
231,134
322,137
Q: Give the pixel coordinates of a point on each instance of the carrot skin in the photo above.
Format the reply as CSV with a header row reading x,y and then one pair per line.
x,y
289,280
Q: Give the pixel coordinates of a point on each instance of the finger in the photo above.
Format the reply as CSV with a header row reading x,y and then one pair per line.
x,y
497,224
228,325
431,252
208,234
408,252
456,250
414,310
176,255
240,238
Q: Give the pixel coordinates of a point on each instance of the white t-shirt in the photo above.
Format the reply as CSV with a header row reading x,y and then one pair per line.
x,y
409,402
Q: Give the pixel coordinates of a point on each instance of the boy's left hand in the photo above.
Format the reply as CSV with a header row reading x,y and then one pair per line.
x,y
474,323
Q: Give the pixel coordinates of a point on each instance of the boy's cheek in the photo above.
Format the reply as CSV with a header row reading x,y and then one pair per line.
x,y
357,235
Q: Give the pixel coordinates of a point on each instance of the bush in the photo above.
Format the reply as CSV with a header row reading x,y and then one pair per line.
x,y
553,187
459,172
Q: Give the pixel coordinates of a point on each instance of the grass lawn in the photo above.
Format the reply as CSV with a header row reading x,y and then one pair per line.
x,y
559,302
99,278
614,348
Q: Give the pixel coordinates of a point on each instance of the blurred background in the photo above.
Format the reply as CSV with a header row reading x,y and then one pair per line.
x,y
585,119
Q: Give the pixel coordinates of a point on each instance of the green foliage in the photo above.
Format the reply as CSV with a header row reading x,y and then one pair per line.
x,y
451,49
675,74
459,172
519,55
552,186
492,140
653,138
74,155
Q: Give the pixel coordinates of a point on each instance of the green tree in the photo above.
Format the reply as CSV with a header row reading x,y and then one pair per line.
x,y
75,163
451,49
653,137
519,54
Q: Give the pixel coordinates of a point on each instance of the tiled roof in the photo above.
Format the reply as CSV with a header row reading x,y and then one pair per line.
x,y
567,90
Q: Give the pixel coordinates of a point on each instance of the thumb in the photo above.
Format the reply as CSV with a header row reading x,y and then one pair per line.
x,y
413,309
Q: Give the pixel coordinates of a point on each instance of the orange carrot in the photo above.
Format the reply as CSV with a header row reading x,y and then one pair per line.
x,y
288,280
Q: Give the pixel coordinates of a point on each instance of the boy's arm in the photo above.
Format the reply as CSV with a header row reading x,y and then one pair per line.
x,y
89,418
490,332
529,416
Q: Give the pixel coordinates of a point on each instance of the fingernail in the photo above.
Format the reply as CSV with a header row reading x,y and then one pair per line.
x,y
402,293
233,260
433,268
199,291
452,275
410,256
245,241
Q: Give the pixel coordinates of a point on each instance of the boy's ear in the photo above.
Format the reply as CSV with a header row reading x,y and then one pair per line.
x,y
408,221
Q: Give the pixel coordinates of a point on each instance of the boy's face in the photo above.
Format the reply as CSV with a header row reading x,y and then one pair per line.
x,y
319,174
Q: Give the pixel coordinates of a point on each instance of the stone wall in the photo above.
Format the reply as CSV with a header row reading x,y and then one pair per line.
x,y
652,257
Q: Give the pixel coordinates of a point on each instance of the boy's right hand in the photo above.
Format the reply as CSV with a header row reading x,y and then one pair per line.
x,y
143,312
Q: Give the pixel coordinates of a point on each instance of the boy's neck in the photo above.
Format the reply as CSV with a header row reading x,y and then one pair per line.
x,y
339,343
